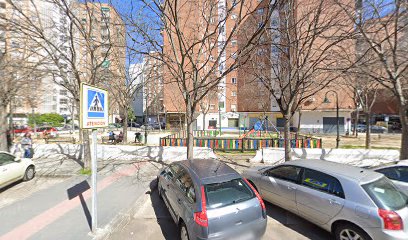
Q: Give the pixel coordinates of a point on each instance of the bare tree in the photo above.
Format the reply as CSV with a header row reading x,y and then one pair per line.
x,y
75,38
381,28
195,49
298,56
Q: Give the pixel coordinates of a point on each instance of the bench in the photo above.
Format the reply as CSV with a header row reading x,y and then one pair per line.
x,y
60,139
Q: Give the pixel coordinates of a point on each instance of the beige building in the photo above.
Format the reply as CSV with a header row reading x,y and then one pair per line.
x,y
94,53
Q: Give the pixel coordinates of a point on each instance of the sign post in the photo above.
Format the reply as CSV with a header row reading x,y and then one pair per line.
x,y
94,115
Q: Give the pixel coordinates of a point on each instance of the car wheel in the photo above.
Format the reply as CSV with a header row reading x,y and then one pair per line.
x,y
350,232
29,173
183,232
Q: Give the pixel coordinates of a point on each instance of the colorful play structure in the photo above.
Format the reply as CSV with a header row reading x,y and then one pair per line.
x,y
260,129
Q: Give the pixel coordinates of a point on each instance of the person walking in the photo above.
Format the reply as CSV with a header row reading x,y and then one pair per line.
x,y
27,145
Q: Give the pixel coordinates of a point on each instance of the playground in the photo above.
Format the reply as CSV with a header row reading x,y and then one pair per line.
x,y
260,136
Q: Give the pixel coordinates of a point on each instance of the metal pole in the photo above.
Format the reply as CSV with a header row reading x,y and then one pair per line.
x,y
338,121
94,180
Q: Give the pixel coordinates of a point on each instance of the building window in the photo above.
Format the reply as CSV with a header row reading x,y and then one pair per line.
x,y
260,11
212,106
63,92
63,109
63,101
234,80
234,42
234,93
234,16
260,24
233,107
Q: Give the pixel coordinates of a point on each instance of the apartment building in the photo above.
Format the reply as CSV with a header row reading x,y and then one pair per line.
x,y
99,53
148,100
241,99
26,61
101,47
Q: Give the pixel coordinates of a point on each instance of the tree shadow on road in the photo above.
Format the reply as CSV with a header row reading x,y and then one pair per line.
x,y
167,225
296,223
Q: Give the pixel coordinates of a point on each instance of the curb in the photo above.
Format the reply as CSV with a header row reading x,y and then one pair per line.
x,y
122,218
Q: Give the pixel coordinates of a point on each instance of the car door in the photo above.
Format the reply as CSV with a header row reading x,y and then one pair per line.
x,y
398,175
278,185
10,170
185,197
168,188
320,197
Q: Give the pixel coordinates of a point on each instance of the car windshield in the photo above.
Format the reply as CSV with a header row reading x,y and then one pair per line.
x,y
385,194
227,193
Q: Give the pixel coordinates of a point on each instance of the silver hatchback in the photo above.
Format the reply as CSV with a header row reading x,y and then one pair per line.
x,y
350,202
209,200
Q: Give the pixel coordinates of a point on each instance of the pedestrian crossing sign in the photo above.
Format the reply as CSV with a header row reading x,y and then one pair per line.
x,y
94,107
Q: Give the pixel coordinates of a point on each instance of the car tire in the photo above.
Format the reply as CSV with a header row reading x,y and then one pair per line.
x,y
183,232
350,231
29,173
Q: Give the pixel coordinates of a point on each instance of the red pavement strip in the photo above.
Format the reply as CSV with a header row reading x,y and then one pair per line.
x,y
42,220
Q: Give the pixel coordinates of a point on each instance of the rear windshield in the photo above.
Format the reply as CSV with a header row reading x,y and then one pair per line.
x,y
386,195
226,193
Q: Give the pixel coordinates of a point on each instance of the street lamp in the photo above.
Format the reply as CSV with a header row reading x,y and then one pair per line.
x,y
326,100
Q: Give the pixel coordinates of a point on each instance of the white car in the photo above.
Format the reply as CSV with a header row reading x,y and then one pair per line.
x,y
13,169
398,173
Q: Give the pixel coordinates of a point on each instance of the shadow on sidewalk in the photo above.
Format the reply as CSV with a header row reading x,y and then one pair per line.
x,y
296,223
169,229
76,191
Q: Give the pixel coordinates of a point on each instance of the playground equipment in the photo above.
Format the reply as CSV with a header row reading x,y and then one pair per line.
x,y
258,127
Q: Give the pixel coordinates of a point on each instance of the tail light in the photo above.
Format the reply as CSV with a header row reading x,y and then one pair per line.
x,y
201,217
392,221
259,198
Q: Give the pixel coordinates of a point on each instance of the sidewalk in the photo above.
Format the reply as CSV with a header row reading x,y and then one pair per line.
x,y
63,211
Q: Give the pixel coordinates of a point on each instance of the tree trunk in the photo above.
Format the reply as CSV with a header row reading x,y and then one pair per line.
x,y
368,130
190,136
3,128
298,126
404,136
86,144
204,121
286,135
355,133
125,125
158,121
87,149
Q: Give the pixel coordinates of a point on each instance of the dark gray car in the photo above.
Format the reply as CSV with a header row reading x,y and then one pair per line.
x,y
207,199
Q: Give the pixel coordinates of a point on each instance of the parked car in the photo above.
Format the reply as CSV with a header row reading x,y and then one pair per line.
x,y
13,169
209,200
350,202
147,127
50,131
21,129
374,128
133,124
397,173
378,129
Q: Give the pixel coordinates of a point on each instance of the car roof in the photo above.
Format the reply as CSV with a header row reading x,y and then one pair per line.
x,y
338,170
393,164
207,171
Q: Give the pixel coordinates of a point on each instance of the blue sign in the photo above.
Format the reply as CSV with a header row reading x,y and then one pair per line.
x,y
94,107
96,104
